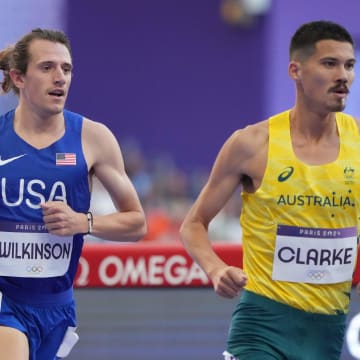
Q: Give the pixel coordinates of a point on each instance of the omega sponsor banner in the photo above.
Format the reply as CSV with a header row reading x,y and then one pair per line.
x,y
145,265
149,265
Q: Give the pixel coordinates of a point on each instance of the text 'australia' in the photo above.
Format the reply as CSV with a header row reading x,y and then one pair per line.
x,y
315,200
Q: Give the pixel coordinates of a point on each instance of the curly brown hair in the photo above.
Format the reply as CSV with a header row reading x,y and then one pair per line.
x,y
17,56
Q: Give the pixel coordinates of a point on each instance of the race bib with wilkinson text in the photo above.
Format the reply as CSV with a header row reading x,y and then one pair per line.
x,y
28,250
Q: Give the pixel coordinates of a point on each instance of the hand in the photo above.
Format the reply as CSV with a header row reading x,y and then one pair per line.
x,y
228,281
60,219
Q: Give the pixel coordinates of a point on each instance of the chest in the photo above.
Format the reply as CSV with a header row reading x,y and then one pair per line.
x,y
316,153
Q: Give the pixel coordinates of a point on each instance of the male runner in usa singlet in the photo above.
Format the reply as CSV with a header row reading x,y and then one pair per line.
x,y
48,156
299,172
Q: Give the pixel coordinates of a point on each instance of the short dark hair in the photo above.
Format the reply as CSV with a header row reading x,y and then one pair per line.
x,y
17,56
308,34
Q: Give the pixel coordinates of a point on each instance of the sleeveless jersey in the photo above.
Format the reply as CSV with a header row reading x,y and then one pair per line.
x,y
300,227
34,265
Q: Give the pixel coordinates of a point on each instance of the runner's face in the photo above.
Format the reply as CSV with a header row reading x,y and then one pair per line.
x,y
45,85
326,76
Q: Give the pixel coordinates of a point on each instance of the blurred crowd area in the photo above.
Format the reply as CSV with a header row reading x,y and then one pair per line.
x,y
166,193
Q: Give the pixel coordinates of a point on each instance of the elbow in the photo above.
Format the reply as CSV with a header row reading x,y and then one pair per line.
x,y
140,229
183,230
192,228
141,232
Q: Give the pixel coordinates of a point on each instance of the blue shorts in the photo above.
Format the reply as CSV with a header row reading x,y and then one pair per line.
x,y
45,327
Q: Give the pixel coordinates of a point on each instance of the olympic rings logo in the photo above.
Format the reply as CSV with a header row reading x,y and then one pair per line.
x,y
34,269
316,274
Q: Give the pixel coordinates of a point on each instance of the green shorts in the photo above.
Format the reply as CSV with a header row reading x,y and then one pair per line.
x,y
264,329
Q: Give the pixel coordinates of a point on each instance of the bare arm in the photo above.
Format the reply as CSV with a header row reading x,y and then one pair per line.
x,y
234,161
128,223
105,161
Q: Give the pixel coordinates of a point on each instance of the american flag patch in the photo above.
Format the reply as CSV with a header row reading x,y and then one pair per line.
x,y
65,159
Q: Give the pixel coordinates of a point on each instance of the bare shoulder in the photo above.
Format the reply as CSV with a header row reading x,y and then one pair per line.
x,y
97,133
95,128
250,139
245,152
99,143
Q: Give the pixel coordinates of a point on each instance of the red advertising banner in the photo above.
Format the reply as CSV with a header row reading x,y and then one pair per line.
x,y
145,265
149,265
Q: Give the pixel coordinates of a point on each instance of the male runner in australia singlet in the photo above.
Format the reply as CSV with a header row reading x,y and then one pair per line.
x,y
300,177
48,156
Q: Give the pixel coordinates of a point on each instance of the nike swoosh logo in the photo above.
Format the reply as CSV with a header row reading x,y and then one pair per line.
x,y
9,160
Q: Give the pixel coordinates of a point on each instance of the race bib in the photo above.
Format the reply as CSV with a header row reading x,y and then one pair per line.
x,y
316,256
28,250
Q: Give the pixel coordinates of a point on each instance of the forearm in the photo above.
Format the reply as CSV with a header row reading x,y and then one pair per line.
x,y
194,237
121,226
